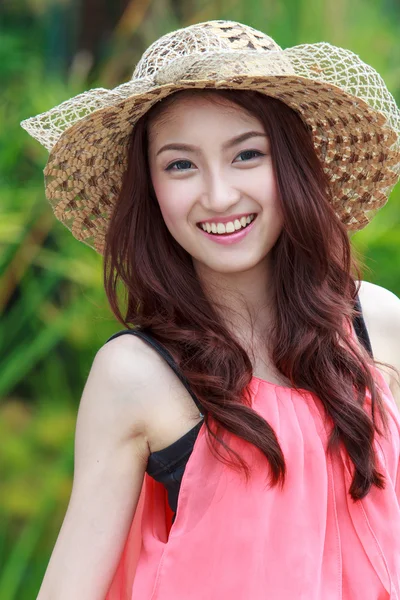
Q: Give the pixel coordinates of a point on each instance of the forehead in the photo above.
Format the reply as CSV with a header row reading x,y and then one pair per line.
x,y
196,113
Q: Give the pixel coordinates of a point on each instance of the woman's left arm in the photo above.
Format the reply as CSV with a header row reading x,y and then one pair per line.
x,y
381,311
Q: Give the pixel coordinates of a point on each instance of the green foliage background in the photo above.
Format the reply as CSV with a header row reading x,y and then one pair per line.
x,y
54,311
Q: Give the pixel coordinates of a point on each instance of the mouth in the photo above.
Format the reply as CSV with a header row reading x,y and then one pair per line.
x,y
228,238
227,229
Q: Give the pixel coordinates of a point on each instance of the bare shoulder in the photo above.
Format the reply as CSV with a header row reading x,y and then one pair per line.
x,y
381,311
377,300
128,359
152,395
133,370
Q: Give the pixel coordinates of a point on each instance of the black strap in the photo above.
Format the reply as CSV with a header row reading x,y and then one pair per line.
x,y
166,355
361,328
358,322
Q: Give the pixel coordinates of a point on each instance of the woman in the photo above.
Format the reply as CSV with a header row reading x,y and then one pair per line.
x,y
244,439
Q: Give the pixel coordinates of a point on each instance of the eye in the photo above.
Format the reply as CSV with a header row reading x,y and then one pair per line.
x,y
181,165
249,154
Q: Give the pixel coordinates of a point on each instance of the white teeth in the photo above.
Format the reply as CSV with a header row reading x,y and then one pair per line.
x,y
230,227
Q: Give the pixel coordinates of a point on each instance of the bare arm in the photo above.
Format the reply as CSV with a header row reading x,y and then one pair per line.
x,y
111,454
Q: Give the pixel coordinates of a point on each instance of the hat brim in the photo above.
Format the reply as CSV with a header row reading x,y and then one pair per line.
x,y
353,141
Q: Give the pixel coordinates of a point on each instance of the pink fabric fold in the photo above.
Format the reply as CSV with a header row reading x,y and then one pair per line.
x,y
308,541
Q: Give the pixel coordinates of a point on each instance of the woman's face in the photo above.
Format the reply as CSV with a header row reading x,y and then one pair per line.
x,y
210,163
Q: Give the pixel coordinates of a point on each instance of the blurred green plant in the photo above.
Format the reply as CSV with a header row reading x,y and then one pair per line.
x,y
54,311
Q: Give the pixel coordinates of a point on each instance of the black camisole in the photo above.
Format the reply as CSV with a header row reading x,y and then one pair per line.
x,y
167,465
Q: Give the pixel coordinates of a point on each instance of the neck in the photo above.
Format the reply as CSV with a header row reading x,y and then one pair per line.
x,y
244,300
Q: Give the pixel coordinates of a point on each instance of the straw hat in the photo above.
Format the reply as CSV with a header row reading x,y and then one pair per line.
x,y
353,119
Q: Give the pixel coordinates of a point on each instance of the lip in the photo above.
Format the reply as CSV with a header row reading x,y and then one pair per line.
x,y
225,219
232,238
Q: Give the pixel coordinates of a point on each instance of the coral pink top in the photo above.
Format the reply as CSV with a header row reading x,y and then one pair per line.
x,y
238,541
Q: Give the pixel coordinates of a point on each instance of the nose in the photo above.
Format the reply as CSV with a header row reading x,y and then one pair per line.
x,y
220,194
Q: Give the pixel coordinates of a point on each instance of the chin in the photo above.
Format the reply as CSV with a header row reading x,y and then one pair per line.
x,y
231,267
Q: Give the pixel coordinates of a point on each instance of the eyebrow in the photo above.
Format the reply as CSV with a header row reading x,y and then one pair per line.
x,y
229,144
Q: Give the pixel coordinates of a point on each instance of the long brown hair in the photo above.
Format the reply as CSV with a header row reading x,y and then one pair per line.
x,y
314,294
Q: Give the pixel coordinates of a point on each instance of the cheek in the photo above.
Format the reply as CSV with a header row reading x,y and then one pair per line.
x,y
265,191
174,198
260,185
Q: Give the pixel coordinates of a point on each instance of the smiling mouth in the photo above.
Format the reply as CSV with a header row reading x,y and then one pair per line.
x,y
225,229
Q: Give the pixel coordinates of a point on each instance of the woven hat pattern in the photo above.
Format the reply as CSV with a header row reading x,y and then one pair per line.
x,y
353,119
